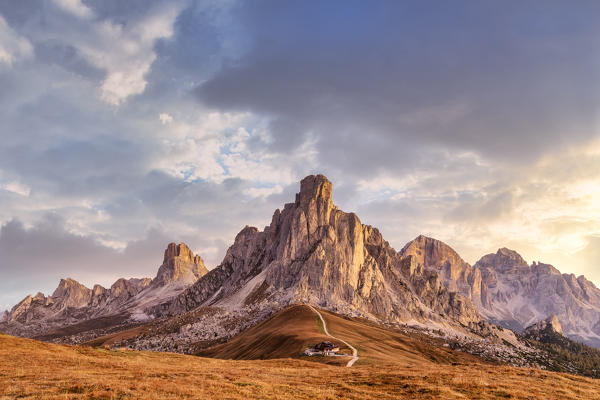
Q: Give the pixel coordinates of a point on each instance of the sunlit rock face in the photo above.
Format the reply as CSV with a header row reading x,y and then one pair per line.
x,y
456,274
508,291
314,252
180,266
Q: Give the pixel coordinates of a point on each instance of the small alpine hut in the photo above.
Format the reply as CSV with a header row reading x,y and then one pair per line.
x,y
327,348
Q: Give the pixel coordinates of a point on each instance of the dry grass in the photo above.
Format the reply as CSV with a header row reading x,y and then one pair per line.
x,y
46,371
379,346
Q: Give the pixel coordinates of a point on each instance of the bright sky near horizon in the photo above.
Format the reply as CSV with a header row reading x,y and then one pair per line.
x,y
125,125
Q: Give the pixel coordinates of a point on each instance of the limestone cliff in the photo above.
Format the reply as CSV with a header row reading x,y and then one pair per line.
x,y
313,252
508,291
180,266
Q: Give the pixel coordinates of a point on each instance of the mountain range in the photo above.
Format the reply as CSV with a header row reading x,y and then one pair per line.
x,y
125,300
314,253
509,292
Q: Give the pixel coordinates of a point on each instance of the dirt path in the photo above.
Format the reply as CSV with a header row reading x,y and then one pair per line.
x,y
354,351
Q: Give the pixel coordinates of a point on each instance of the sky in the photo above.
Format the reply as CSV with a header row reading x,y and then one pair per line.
x,y
126,125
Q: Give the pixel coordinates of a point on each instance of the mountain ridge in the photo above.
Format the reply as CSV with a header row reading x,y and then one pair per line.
x,y
312,252
72,302
510,292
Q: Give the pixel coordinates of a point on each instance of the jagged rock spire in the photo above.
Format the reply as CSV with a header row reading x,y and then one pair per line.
x,y
180,266
314,187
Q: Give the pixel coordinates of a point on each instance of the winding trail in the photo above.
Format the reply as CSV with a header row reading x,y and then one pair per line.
x,y
354,351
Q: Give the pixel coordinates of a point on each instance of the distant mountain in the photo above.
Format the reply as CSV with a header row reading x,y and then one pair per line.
x,y
508,291
73,302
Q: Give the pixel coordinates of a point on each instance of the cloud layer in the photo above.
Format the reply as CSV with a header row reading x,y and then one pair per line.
x,y
126,125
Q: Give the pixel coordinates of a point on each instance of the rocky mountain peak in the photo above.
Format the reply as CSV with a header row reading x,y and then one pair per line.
x,y
455,273
508,254
181,251
71,293
315,187
312,252
180,266
430,252
504,260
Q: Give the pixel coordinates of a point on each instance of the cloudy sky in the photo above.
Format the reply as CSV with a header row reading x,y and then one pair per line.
x,y
125,125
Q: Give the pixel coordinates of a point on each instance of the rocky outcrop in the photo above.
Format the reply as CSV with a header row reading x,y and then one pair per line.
x,y
312,252
120,292
180,266
70,293
551,322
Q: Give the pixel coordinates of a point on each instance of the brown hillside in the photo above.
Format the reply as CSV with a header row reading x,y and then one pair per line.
x,y
290,331
284,335
104,323
377,344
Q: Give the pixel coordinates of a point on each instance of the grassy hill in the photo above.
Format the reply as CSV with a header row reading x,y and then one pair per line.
x,y
391,367
290,331
285,335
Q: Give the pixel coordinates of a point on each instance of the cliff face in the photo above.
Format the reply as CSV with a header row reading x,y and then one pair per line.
x,y
508,291
180,266
524,294
456,274
313,252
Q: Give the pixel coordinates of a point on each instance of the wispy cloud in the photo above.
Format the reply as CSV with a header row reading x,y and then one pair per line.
x,y
12,46
144,122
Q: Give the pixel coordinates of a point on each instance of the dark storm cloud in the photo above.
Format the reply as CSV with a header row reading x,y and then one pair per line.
x,y
370,81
